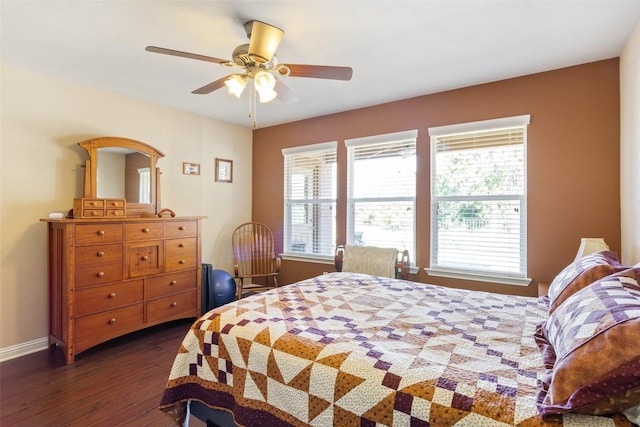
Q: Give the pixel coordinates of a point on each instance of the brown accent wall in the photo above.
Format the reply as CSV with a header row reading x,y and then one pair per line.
x,y
573,157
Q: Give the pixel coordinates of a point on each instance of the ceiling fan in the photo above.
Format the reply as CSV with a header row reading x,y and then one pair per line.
x,y
260,64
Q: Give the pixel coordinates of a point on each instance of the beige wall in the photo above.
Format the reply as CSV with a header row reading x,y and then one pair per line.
x,y
42,119
573,161
630,148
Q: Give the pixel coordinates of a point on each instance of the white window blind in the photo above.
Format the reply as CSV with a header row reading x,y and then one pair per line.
x,y
381,191
478,200
310,200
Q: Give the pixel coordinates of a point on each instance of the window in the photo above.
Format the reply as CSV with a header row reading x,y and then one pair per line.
x,y
381,191
144,193
310,200
478,200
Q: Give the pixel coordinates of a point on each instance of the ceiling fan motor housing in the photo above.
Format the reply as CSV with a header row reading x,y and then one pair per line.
x,y
243,58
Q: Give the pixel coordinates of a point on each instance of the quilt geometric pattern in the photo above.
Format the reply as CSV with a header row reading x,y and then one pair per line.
x,y
346,349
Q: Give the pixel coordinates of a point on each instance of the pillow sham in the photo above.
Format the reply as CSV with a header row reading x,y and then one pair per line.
x,y
590,344
581,273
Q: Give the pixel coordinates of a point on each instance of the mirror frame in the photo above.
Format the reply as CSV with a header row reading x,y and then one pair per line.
x,y
90,189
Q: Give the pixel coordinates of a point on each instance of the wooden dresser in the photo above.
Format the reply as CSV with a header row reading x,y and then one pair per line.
x,y
109,277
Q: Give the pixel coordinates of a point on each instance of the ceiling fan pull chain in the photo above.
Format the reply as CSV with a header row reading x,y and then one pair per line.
x,y
252,105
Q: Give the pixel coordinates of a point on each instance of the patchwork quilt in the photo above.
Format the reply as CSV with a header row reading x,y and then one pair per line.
x,y
347,349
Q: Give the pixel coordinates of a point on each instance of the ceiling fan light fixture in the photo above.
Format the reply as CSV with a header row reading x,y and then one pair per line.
x,y
265,84
236,84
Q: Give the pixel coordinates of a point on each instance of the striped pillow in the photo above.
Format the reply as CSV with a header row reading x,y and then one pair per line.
x,y
590,344
581,273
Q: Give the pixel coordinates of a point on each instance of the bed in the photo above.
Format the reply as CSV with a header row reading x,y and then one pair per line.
x,y
348,349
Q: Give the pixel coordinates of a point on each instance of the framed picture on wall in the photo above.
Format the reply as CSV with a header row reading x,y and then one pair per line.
x,y
224,170
190,168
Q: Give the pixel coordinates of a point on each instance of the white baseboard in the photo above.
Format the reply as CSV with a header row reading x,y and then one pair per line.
x,y
23,349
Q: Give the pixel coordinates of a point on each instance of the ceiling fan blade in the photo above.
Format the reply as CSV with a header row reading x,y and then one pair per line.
x,y
211,86
172,52
264,39
318,71
285,94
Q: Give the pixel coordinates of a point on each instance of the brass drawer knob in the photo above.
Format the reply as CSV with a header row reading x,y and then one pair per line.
x,y
101,253
101,274
173,304
112,295
181,261
145,258
112,320
173,282
145,230
101,233
181,245
181,228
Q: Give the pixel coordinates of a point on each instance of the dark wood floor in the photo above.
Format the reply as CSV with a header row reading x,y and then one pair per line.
x,y
115,384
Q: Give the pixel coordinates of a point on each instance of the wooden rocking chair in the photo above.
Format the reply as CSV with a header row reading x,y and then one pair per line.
x,y
254,258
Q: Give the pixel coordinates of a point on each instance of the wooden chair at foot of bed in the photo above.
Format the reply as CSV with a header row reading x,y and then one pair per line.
x,y
384,262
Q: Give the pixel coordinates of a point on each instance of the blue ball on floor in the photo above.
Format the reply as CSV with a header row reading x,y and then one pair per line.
x,y
224,287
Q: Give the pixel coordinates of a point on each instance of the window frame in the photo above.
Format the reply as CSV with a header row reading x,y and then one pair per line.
x,y
519,279
288,203
389,138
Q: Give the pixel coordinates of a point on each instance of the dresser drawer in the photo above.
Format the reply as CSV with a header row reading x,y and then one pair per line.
x,y
107,297
99,254
144,258
172,307
100,327
97,274
113,213
92,213
143,231
180,262
93,203
98,233
180,247
173,229
170,284
114,204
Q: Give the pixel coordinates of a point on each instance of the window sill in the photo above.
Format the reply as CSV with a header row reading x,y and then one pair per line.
x,y
482,277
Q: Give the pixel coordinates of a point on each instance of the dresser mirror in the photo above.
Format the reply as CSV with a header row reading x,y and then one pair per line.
x,y
123,168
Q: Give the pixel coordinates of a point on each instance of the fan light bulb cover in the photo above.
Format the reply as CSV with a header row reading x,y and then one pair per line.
x,y
264,84
236,84
267,95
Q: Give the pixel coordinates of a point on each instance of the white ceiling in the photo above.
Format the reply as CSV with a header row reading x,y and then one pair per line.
x,y
397,49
